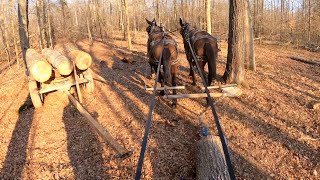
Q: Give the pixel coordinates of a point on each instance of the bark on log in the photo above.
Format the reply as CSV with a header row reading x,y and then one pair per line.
x,y
82,59
58,61
210,161
308,61
37,65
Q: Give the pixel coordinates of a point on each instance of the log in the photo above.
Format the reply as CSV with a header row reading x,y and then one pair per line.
x,y
106,136
37,65
210,161
82,59
58,61
307,61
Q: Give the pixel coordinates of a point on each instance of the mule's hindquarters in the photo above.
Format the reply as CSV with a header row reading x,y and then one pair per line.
x,y
211,53
170,68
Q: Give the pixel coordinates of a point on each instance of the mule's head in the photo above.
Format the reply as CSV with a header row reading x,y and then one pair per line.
x,y
153,27
185,28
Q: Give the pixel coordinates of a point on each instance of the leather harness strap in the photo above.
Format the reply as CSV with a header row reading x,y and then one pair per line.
x,y
163,41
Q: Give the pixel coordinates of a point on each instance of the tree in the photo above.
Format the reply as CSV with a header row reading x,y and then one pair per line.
x,y
237,41
23,22
208,16
127,24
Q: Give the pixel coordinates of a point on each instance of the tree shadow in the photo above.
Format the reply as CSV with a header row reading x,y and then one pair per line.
x,y
16,157
84,148
168,149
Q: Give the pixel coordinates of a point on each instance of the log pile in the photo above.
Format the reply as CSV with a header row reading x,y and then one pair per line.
x,y
58,61
41,66
82,59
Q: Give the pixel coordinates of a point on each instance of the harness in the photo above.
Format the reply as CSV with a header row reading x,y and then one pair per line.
x,y
195,38
165,42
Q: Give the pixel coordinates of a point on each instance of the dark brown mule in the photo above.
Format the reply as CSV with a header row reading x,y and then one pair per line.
x,y
205,48
160,42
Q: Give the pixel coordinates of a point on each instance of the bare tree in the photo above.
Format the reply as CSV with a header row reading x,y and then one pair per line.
x,y
208,15
237,41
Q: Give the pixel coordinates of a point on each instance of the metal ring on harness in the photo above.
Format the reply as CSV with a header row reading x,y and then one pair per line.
x,y
216,118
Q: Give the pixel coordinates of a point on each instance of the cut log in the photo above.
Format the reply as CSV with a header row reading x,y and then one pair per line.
x,y
58,61
37,65
308,61
82,59
210,161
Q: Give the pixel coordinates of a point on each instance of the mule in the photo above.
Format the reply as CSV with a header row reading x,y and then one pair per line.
x,y
160,44
205,48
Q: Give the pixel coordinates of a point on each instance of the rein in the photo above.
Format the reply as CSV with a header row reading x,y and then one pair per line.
x,y
214,112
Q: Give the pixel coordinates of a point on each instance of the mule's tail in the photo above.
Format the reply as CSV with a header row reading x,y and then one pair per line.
x,y
166,59
211,53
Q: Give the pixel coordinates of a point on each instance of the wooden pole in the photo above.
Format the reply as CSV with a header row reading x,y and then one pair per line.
x,y
106,136
199,95
166,88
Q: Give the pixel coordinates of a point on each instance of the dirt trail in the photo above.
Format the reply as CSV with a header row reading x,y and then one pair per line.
x,y
271,131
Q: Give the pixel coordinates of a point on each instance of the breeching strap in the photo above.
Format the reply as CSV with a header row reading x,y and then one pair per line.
x,y
216,118
148,124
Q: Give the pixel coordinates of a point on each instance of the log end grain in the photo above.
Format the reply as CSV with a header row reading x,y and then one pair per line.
x,y
41,71
65,68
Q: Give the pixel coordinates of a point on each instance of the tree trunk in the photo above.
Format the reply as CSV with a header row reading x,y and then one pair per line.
x,y
40,25
14,33
208,16
237,44
23,29
127,24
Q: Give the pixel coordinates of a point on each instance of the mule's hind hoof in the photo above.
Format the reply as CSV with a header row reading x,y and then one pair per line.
x,y
174,106
193,84
162,93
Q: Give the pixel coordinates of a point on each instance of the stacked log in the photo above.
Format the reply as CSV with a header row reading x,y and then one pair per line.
x,y
58,61
37,65
82,59
210,159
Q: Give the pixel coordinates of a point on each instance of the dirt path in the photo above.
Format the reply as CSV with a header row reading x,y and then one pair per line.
x,y
271,131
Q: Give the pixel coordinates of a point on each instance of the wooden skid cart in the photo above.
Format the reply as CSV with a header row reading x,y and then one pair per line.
x,y
38,90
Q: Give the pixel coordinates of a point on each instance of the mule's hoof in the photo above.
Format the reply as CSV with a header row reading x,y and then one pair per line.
x,y
193,83
162,93
174,105
149,77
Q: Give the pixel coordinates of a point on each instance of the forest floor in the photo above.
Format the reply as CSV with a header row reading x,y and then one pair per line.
x,y
271,130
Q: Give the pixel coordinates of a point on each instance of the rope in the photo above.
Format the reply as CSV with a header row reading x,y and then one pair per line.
x,y
148,124
216,118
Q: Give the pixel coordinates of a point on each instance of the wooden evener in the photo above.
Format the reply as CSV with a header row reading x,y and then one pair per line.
x,y
58,61
37,65
82,59
210,162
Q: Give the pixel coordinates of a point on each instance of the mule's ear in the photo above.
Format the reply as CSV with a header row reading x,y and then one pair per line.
x,y
154,21
181,22
149,22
